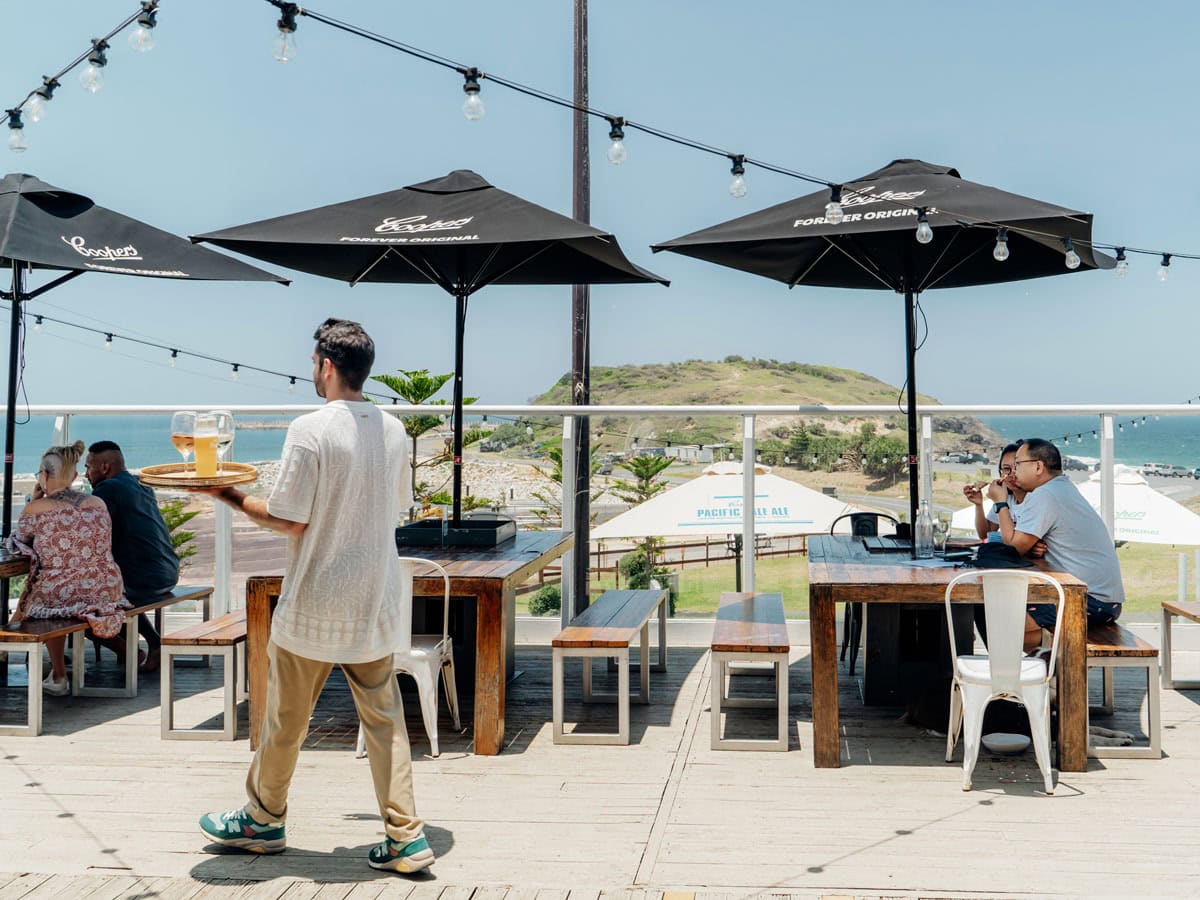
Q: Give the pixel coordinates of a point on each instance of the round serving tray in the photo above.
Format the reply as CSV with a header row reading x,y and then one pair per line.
x,y
183,477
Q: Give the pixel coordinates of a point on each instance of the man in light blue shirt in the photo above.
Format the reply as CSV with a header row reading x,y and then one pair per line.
x,y
1076,540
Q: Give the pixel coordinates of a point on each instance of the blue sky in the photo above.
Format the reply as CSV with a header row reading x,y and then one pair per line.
x,y
1087,107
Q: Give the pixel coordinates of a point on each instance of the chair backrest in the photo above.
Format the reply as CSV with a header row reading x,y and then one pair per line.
x,y
863,524
408,565
1005,595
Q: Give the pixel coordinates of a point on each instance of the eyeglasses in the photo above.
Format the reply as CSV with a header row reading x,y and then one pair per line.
x,y
1017,462
1005,471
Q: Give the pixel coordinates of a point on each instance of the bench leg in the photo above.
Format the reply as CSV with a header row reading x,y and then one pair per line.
x,y
664,610
1153,715
232,693
78,670
33,726
587,654
1106,685
644,665
720,698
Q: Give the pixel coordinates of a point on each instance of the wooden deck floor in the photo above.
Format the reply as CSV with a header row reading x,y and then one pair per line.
x,y
99,806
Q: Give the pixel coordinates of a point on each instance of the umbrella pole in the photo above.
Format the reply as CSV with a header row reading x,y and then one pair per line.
x,y
10,411
910,346
460,326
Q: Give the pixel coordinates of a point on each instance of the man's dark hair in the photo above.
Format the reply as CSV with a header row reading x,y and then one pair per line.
x,y
108,447
1045,453
349,348
1009,448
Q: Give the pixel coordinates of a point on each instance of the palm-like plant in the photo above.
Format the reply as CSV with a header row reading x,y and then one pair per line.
x,y
646,484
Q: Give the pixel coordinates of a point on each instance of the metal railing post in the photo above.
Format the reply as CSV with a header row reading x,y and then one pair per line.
x,y
61,436
927,460
222,559
748,548
1107,495
567,607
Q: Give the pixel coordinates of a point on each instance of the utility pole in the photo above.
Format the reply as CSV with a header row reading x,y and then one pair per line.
x,y
581,209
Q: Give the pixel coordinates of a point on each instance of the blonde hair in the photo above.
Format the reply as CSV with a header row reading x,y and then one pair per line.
x,y
59,460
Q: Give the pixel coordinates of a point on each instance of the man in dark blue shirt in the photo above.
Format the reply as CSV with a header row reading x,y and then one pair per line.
x,y
141,543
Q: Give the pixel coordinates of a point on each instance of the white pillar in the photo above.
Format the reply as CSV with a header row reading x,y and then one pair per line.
x,y
223,560
926,463
567,610
1107,499
62,431
1181,590
748,460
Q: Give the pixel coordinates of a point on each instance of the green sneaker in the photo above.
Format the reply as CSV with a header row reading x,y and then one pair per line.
x,y
237,829
394,856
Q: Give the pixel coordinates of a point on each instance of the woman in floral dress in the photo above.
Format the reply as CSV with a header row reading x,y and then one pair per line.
x,y
68,535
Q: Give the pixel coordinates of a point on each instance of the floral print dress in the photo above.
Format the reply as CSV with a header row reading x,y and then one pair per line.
x,y
72,571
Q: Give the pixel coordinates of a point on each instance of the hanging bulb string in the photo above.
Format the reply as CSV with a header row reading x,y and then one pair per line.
x,y
143,9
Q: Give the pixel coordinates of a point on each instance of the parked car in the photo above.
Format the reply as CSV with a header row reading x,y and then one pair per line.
x,y
1152,468
1071,464
952,457
1176,472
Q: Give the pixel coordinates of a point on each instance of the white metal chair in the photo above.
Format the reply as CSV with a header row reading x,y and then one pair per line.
x,y
1005,672
427,656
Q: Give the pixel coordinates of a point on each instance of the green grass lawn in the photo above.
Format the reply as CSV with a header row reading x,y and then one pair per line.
x,y
1149,571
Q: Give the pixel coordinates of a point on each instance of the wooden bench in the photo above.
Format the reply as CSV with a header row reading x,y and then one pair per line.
x,y
1184,609
750,628
1113,646
29,636
606,629
223,636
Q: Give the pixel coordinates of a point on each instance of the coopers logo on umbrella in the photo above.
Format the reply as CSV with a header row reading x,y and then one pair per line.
x,y
79,244
863,197
397,230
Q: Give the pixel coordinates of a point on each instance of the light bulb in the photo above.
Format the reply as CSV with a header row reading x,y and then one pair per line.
x,y
617,153
108,342
233,376
1122,267
37,325
737,187
473,107
91,79
283,47
141,39
174,357
834,214
36,108
1000,254
16,137
1163,271
924,232
1072,259
292,386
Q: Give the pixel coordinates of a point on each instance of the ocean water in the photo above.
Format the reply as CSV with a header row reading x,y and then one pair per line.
x,y
145,440
1171,439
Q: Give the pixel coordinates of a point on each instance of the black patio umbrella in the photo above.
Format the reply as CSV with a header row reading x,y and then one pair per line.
x,y
458,232
44,227
976,235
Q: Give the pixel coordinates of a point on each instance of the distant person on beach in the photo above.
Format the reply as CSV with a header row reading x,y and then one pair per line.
x,y
72,574
141,543
343,483
1076,539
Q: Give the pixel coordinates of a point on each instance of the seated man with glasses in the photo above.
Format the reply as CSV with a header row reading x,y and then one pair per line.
x,y
1076,539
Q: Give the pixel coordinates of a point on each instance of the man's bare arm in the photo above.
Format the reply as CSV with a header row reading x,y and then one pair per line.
x,y
255,509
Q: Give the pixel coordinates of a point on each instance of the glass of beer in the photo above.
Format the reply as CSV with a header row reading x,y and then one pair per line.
x,y
205,445
183,427
224,436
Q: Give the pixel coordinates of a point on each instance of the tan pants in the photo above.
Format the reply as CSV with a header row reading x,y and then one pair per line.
x,y
293,685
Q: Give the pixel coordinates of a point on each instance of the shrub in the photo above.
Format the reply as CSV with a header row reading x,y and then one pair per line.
x,y
546,601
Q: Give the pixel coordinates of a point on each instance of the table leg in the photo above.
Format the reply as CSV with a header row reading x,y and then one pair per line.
x,y
258,635
1072,686
822,617
492,659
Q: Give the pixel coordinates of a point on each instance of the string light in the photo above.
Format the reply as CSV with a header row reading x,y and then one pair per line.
x,y
292,385
924,231
37,324
617,153
36,105
1000,254
1122,263
233,376
472,107
16,138
108,341
141,38
1071,258
91,79
283,46
737,187
1163,269
174,357
834,214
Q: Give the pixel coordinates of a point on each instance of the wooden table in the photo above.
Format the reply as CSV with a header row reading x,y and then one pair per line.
x,y
840,570
490,575
12,565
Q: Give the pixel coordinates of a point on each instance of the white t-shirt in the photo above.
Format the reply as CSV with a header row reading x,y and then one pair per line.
x,y
345,472
1076,539
1014,510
